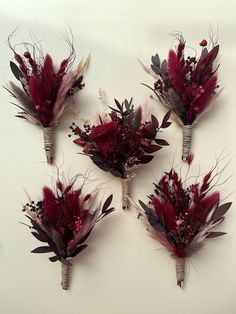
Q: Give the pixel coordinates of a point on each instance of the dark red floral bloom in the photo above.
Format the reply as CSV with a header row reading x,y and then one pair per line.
x,y
64,220
105,136
124,142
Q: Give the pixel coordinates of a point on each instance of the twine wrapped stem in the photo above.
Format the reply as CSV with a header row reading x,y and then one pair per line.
x,y
125,193
180,271
65,276
48,143
187,140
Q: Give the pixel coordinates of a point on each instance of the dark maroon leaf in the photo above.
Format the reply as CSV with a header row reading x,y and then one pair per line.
x,y
42,249
215,234
15,70
34,224
85,237
213,53
41,237
146,159
54,258
107,203
219,220
108,211
78,82
166,117
154,222
98,160
155,121
78,250
137,119
221,210
165,125
127,104
118,104
161,142
144,206
57,239
152,148
113,109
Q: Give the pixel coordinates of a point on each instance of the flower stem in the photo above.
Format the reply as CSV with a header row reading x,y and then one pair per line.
x,y
180,271
187,140
125,193
65,276
48,143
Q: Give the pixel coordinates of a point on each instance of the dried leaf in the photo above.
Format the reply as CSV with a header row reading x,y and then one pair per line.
x,y
85,237
137,119
165,125
156,69
146,159
57,239
42,249
15,70
110,210
78,250
156,60
166,117
161,142
215,234
155,121
118,104
144,206
54,258
39,236
221,211
107,203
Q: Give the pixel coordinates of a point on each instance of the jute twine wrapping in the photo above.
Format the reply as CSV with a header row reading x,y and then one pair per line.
x,y
65,276
48,143
125,193
180,271
187,140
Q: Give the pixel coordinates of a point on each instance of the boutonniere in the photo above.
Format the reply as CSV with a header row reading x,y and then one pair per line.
x,y
45,88
186,84
63,219
122,143
181,216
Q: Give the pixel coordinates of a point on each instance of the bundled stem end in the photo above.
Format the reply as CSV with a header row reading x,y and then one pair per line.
x,y
180,271
48,143
125,193
187,140
65,276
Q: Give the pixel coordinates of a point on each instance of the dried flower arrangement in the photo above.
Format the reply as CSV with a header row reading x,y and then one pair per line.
x,y
187,86
122,143
63,219
180,215
45,88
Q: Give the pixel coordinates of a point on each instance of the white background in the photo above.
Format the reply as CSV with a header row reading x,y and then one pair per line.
x,y
122,271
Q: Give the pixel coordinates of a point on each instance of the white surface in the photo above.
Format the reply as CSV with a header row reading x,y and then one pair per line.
x,y
122,271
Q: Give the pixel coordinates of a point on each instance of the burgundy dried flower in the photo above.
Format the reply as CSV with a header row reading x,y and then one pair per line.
x,y
120,145
63,220
186,85
181,216
45,88
189,159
